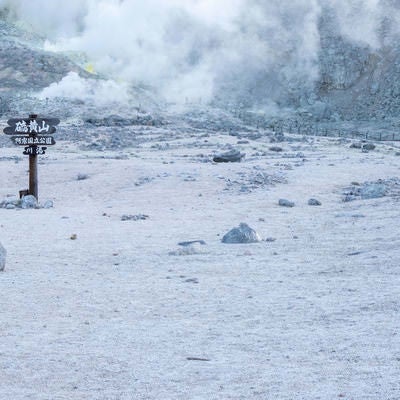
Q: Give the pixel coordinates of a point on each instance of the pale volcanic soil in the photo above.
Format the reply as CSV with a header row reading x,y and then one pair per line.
x,y
94,307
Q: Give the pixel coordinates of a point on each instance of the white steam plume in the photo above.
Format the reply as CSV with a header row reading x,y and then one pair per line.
x,y
252,50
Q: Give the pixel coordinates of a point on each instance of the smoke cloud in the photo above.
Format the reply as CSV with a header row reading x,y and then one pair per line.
x,y
255,52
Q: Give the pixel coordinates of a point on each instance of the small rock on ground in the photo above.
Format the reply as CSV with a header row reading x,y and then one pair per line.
x,y
3,254
189,243
314,202
29,201
277,149
82,177
48,204
286,203
136,217
188,250
368,146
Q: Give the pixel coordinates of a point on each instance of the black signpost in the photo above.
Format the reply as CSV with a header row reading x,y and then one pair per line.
x,y
32,132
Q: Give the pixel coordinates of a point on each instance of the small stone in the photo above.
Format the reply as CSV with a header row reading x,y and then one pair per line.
x,y
192,280
48,204
189,243
277,149
368,146
74,236
189,250
10,206
314,202
136,217
349,197
286,203
81,177
241,234
3,254
29,201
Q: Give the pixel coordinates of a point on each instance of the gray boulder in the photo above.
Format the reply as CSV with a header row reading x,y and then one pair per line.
x,y
285,203
29,201
373,190
3,254
314,202
277,149
48,204
242,234
229,156
368,146
368,190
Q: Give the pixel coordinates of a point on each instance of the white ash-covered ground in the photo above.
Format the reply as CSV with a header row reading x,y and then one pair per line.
x,y
97,307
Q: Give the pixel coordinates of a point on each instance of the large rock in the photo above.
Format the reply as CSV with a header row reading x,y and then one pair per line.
x,y
370,190
241,234
3,254
373,190
229,156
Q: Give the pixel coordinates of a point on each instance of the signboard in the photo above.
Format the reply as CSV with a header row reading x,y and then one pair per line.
x,y
20,126
33,133
31,140
34,151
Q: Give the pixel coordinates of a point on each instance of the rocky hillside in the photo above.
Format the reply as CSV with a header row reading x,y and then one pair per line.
x,y
356,81
24,66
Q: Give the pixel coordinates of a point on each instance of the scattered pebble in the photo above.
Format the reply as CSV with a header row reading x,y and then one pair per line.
x,y
277,149
82,177
355,253
137,217
192,280
202,242
189,250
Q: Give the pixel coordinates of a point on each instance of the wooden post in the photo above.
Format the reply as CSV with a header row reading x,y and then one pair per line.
x,y
33,168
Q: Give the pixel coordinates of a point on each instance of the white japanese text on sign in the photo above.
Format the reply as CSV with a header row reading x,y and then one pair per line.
x,y
31,127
